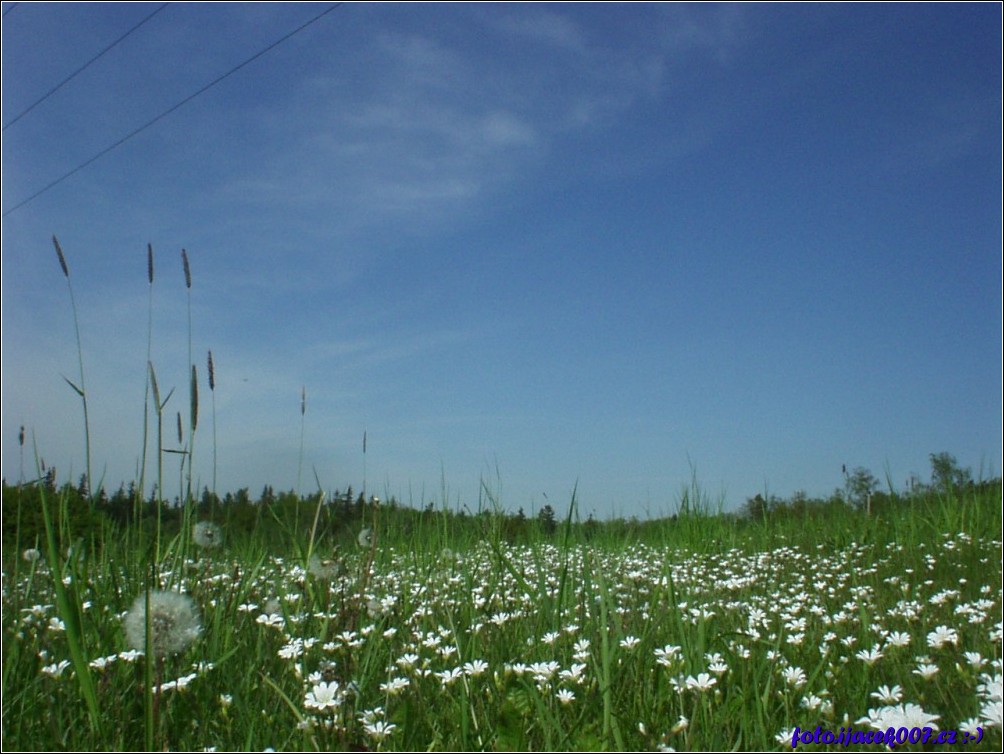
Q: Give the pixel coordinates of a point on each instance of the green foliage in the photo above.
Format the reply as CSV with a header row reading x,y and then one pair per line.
x,y
946,476
279,521
607,603
545,518
861,485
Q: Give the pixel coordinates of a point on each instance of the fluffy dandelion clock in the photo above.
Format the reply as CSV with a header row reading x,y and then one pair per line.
x,y
324,569
365,538
174,622
206,535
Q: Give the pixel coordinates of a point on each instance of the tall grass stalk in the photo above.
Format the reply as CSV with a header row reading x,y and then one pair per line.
x,y
81,389
193,403
317,517
69,610
299,465
141,489
212,396
303,413
159,408
610,727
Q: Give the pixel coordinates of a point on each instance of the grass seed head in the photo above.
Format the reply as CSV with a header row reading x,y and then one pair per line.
x,y
62,259
188,270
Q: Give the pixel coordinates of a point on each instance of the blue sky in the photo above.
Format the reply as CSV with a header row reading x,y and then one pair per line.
x,y
526,246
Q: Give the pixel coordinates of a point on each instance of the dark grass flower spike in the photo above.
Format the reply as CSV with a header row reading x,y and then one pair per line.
x,y
62,259
212,395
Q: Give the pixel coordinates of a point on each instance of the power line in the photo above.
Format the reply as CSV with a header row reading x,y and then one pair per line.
x,y
170,110
60,85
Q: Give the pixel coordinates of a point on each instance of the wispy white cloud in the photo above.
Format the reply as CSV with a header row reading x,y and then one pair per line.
x,y
715,31
439,129
554,29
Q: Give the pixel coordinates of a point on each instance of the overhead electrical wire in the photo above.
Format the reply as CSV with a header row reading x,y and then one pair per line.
x,y
69,78
170,110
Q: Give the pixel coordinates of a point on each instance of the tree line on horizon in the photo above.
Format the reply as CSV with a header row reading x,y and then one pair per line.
x,y
278,517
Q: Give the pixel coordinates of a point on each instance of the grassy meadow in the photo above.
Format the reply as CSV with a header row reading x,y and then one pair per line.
x,y
255,626
706,633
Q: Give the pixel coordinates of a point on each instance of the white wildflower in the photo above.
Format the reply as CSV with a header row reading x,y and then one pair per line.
x,y
703,682
324,695
941,636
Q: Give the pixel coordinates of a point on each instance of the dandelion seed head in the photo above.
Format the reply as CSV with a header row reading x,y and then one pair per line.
x,y
324,569
174,622
206,535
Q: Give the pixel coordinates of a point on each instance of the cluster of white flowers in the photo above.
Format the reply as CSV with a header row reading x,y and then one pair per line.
x,y
899,716
813,613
